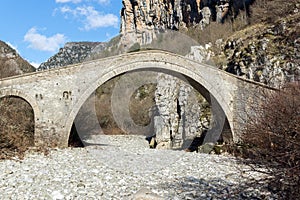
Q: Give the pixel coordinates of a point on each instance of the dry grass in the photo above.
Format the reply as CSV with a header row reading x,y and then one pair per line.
x,y
272,10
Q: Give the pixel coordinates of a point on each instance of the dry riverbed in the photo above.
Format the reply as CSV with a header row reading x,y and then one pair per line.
x,y
117,167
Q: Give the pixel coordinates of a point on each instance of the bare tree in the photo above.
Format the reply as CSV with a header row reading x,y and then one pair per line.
x,y
272,137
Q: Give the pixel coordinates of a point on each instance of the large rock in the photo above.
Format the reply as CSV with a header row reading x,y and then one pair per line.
x,y
177,120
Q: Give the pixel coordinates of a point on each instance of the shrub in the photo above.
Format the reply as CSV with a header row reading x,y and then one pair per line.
x,y
272,138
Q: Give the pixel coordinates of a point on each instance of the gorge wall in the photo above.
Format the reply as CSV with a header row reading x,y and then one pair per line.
x,y
266,53
141,20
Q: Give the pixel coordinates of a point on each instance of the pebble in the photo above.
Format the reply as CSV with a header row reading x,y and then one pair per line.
x,y
121,167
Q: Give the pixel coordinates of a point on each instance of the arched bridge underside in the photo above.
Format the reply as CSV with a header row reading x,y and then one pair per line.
x,y
57,95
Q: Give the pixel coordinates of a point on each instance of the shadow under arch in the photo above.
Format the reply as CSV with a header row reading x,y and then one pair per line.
x,y
28,99
17,123
221,129
151,65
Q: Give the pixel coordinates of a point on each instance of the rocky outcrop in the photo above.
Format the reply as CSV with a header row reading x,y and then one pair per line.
x,y
269,54
11,62
142,20
200,53
71,53
177,120
139,15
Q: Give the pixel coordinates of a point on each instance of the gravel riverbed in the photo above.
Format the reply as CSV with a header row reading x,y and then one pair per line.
x,y
120,166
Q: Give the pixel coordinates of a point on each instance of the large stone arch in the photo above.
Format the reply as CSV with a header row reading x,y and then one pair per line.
x,y
154,64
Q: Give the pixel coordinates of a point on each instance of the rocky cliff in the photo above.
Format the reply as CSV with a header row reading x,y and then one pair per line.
x,y
266,51
269,54
179,113
142,20
11,62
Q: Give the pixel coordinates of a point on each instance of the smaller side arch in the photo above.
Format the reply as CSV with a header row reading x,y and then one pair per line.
x,y
17,93
31,101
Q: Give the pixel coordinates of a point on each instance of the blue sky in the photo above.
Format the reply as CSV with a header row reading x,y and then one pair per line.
x,y
38,28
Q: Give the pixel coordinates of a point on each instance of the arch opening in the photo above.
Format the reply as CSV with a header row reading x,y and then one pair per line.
x,y
90,106
17,125
95,117
220,121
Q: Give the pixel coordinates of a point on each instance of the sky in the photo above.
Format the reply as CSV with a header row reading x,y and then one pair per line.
x,y
38,28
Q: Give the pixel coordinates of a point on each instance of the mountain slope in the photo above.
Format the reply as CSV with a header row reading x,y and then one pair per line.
x,y
265,52
11,63
71,53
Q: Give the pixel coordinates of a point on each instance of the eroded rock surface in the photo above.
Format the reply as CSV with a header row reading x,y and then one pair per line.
x,y
178,118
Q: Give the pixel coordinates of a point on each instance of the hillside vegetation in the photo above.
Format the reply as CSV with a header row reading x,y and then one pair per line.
x,y
266,48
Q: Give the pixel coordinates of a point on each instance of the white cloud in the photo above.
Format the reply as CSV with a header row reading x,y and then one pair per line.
x,y
42,42
69,1
92,18
66,10
103,1
79,1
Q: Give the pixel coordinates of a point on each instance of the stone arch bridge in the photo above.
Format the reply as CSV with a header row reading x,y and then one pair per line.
x,y
57,95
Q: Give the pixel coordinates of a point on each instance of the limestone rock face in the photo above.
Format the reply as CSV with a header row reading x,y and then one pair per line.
x,y
139,15
142,19
200,53
177,118
178,113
